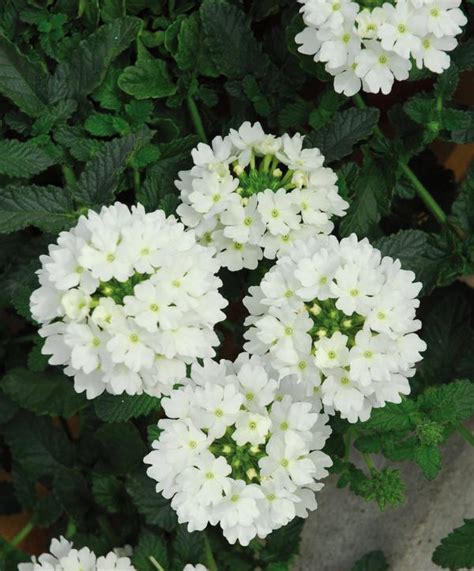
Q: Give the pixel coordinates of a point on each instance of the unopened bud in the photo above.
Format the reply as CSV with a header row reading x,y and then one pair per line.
x,y
238,170
277,173
251,473
315,309
321,333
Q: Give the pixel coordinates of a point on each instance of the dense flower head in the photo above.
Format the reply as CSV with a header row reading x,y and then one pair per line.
x,y
64,557
127,299
238,450
339,319
367,45
251,195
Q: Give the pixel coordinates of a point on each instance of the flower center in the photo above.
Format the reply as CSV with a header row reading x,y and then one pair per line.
x,y
328,319
383,59
402,28
118,290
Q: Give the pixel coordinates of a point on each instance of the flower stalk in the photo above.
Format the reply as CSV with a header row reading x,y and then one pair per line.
x,y
196,118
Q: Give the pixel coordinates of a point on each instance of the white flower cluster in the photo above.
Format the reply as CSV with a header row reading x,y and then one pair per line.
x,y
339,319
369,47
238,451
127,299
251,195
63,557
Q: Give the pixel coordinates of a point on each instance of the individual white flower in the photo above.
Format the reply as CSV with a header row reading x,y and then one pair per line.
x,y
346,333
248,472
369,48
127,300
198,567
64,557
269,190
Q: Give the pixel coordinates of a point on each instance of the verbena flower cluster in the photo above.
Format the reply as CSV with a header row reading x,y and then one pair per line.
x,y
339,319
64,557
251,195
127,299
238,451
369,47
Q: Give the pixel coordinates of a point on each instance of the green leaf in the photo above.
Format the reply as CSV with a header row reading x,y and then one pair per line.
x,y
337,138
392,417
46,207
232,46
418,252
452,403
294,113
189,547
49,393
372,193
71,489
283,544
22,160
109,492
139,111
87,66
111,9
148,78
8,408
192,53
111,408
11,557
463,55
151,505
98,182
22,81
328,104
150,544
463,207
373,561
456,551
122,447
37,446
429,460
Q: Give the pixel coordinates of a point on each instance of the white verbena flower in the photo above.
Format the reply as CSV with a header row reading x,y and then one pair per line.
x,y
251,474
64,557
265,189
127,300
338,319
364,48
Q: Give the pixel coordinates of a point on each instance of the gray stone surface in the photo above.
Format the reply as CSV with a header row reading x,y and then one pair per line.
x,y
345,527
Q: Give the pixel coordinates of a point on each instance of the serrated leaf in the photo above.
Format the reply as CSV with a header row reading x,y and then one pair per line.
x,y
111,408
22,160
429,460
418,252
392,417
447,82
337,139
100,125
463,207
139,111
150,544
232,46
283,544
22,81
87,66
463,55
49,393
456,551
148,78
144,156
109,492
46,207
71,489
152,506
189,547
373,561
122,447
98,182
452,403
192,53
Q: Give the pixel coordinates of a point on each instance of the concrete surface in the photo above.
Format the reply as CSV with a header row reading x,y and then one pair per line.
x,y
345,527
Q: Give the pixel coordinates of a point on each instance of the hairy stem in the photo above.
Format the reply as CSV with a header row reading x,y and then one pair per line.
x,y
370,464
22,534
210,561
196,118
466,434
155,563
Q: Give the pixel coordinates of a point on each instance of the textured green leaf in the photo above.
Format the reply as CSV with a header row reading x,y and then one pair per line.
x,y
418,252
429,460
22,81
22,160
373,561
392,417
111,408
86,68
452,403
122,447
71,489
463,55
49,393
192,53
150,544
109,492
149,78
337,139
463,207
189,547
98,182
283,544
456,551
232,46
152,506
46,207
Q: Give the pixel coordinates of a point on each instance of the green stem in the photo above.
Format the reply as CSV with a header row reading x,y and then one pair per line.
x,y
422,192
136,181
155,563
22,534
70,530
370,464
196,118
466,434
210,561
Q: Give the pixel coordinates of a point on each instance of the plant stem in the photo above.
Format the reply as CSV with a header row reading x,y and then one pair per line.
x,y
136,181
347,444
210,561
155,563
370,464
466,434
422,192
22,534
196,118
70,530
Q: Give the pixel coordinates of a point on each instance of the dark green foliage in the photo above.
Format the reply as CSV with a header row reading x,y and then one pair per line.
x,y
456,551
